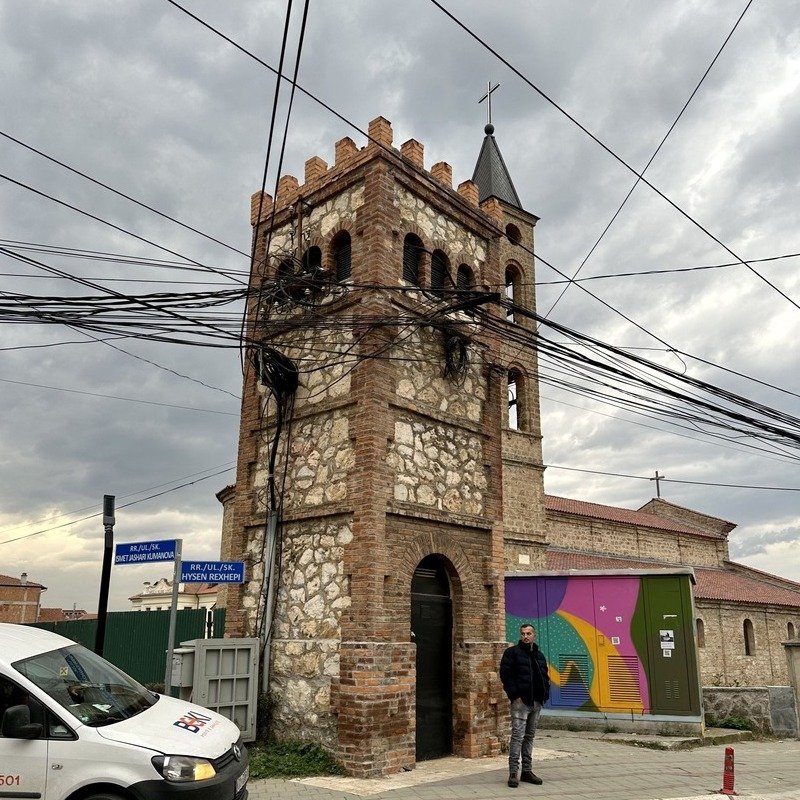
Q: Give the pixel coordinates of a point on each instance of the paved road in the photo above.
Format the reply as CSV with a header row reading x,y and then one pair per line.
x,y
573,767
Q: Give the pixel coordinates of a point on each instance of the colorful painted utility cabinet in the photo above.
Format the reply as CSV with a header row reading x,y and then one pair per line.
x,y
614,641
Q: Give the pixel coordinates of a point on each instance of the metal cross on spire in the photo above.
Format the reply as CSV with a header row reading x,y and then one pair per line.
x,y
488,97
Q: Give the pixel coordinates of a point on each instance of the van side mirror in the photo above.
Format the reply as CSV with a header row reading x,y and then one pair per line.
x,y
17,724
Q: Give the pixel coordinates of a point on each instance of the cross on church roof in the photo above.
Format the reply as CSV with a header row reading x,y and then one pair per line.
x,y
657,479
489,129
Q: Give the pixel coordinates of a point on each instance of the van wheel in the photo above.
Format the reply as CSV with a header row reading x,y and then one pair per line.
x,y
103,796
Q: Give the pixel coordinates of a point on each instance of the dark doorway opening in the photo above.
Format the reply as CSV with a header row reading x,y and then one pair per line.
x,y
432,630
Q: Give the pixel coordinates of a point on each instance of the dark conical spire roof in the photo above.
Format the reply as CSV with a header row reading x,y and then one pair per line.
x,y
491,174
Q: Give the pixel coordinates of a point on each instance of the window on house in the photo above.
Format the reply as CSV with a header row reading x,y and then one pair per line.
x,y
513,234
412,255
464,279
514,388
342,259
439,266
790,631
701,633
749,638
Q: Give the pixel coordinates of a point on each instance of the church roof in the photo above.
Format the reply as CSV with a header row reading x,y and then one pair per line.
x,y
742,585
745,586
491,174
626,516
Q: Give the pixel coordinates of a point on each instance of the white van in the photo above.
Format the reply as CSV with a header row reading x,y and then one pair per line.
x,y
74,726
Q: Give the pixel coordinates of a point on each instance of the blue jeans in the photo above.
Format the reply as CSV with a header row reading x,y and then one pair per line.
x,y
523,729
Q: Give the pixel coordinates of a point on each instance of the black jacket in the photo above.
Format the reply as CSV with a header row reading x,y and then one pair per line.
x,y
523,671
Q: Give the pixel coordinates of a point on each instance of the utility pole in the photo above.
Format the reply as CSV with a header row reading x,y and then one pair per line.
x,y
105,575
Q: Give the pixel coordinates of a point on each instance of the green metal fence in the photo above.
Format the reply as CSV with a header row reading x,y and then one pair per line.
x,y
136,641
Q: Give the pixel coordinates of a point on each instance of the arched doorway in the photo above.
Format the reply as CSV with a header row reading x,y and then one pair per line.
x,y
432,630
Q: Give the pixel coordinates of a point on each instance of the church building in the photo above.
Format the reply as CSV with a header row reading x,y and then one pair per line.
x,y
390,463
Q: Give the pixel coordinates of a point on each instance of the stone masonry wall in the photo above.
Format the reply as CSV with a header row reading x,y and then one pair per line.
x,y
421,381
632,542
313,593
723,661
435,227
438,466
769,709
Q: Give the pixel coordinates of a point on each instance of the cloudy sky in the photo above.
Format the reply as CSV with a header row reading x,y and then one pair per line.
x,y
138,95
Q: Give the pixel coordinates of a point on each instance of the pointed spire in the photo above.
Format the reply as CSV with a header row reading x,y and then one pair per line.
x,y
491,173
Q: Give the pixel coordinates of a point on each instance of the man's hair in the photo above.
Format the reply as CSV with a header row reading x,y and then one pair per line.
x,y
526,625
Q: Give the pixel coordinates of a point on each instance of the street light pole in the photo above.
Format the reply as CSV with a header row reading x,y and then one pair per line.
x,y
105,576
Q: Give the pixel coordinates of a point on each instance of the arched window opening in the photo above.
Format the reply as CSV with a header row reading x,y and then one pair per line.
x,y
513,234
749,638
701,633
342,260
312,261
439,267
464,279
515,397
790,631
285,270
512,291
412,255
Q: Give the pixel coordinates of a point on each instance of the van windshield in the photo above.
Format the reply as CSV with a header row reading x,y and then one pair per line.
x,y
86,685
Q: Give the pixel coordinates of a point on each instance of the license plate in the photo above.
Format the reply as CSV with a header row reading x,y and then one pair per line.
x,y
242,780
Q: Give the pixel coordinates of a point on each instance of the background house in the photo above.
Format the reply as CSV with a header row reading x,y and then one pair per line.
x,y
20,599
158,596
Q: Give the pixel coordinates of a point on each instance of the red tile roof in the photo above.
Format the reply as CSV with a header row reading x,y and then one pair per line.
x,y
51,615
61,614
575,559
735,587
7,580
626,516
741,585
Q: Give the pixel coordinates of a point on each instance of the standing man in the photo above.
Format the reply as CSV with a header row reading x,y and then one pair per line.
x,y
523,671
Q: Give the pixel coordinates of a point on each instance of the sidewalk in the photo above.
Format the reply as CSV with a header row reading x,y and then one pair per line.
x,y
573,767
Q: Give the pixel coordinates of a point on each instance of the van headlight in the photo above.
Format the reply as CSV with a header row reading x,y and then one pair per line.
x,y
184,768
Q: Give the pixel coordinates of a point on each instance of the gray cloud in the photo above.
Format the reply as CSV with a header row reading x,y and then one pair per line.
x,y
142,97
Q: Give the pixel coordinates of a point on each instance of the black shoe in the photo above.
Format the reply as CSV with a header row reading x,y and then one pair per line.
x,y
529,777
513,781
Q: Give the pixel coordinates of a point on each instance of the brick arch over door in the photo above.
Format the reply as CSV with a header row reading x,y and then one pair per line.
x,y
463,580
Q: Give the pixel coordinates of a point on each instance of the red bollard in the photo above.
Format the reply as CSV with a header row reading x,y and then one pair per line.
x,y
727,774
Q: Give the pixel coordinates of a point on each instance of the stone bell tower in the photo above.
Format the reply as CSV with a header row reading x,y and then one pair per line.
x,y
390,452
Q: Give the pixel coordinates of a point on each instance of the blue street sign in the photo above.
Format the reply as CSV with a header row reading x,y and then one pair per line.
x,y
212,571
145,552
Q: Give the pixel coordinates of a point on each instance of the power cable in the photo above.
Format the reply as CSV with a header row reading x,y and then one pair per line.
x,y
605,147
124,505
119,193
113,292
651,159
105,256
227,465
273,117
112,225
649,272
117,397
674,480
